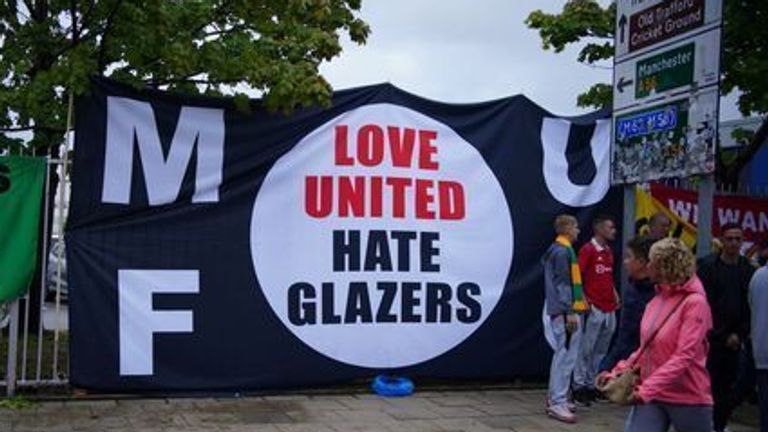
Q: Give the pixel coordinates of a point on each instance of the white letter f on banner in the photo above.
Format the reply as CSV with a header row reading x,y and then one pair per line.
x,y
138,322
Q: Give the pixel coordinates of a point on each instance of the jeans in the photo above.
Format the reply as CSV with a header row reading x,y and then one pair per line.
x,y
657,417
566,348
595,341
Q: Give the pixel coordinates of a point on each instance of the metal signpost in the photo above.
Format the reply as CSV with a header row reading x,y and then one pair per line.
x,y
666,98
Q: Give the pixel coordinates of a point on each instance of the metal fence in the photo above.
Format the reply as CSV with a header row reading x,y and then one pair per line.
x,y
38,357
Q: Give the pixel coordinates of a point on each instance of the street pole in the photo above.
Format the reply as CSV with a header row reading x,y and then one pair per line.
x,y
628,230
13,343
704,225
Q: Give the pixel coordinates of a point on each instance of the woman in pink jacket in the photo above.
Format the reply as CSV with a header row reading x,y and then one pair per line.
x,y
674,387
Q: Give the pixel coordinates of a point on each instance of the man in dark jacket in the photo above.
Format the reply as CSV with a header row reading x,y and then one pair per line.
x,y
636,297
726,279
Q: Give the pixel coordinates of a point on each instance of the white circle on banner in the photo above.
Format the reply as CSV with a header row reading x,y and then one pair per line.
x,y
293,251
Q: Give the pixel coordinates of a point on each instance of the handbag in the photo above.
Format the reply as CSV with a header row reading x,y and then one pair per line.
x,y
619,390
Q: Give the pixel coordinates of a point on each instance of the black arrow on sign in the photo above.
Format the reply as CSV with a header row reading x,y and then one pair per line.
x,y
623,83
622,24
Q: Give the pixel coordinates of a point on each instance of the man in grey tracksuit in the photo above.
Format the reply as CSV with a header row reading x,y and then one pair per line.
x,y
758,303
564,323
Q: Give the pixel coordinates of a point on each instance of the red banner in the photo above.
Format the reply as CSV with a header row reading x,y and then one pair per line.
x,y
749,213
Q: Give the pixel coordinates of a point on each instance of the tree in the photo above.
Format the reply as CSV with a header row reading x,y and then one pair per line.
x,y
50,48
744,60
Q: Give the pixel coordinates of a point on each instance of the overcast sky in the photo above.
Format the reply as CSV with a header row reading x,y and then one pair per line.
x,y
467,51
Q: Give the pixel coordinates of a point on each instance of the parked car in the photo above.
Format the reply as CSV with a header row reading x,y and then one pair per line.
x,y
5,315
53,277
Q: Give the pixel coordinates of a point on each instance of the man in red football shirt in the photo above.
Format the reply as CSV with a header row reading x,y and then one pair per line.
x,y
596,264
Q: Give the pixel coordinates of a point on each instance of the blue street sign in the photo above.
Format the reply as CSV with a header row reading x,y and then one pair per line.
x,y
658,120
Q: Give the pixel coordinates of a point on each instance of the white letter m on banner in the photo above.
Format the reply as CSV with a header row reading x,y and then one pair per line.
x,y
129,118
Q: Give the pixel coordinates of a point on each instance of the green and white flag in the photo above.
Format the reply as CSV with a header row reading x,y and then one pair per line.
x,y
21,189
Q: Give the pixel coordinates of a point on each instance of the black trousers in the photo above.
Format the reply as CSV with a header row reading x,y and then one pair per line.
x,y
762,395
723,365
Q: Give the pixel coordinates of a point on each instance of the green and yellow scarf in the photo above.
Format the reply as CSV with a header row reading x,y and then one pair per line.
x,y
579,303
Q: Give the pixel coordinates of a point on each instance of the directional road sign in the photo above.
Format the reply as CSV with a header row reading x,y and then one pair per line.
x,y
641,24
665,88
678,68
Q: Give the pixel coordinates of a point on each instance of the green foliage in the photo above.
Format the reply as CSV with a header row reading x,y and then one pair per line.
x,y
745,46
728,158
581,21
52,47
742,135
598,96
16,403
745,57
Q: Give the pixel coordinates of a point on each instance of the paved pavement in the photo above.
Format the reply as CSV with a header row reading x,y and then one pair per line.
x,y
482,411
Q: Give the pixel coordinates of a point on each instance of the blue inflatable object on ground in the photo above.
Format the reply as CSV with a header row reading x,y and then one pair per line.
x,y
392,386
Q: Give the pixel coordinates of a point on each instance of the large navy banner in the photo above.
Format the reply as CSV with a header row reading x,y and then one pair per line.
x,y
214,248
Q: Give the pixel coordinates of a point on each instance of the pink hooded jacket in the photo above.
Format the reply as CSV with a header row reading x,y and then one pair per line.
x,y
673,366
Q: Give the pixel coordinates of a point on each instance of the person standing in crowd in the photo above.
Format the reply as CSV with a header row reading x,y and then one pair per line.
x,y
564,301
726,277
638,294
674,387
596,265
659,226
761,256
758,301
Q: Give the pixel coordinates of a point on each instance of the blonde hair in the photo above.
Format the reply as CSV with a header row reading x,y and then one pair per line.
x,y
673,260
563,222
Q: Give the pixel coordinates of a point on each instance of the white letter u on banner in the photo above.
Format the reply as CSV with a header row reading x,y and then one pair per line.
x,y
554,139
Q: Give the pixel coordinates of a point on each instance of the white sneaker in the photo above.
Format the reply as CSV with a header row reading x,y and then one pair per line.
x,y
561,413
571,406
